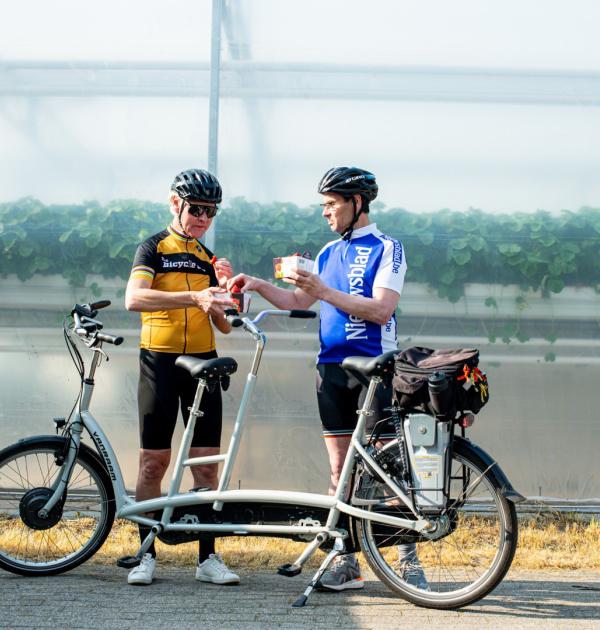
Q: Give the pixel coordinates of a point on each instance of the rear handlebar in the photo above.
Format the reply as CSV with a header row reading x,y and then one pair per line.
x,y
233,317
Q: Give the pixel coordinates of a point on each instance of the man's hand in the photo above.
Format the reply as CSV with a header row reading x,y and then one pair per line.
x,y
223,271
244,282
212,301
309,282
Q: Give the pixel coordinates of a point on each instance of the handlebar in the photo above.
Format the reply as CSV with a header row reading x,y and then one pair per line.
x,y
302,314
115,340
236,321
89,328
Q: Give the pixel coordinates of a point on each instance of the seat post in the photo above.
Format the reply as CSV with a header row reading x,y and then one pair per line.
x,y
186,440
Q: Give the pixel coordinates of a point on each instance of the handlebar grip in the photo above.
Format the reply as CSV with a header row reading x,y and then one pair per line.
x,y
233,317
117,341
101,304
301,314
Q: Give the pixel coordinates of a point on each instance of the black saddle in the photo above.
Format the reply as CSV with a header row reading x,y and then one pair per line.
x,y
382,365
207,369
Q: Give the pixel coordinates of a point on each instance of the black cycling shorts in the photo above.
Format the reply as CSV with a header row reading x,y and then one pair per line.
x,y
163,389
340,395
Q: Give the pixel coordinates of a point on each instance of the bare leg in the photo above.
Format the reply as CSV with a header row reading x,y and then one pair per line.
x,y
152,467
337,447
205,476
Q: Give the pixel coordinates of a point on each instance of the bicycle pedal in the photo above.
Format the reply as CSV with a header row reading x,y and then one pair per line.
x,y
128,562
289,570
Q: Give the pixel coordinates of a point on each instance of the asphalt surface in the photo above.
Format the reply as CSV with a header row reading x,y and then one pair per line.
x,y
96,596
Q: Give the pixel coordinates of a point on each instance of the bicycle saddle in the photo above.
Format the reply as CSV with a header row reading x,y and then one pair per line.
x,y
371,366
207,369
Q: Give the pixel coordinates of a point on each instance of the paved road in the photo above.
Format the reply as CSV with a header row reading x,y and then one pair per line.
x,y
95,596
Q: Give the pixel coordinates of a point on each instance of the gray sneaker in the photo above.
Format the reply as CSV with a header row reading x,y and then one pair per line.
x,y
343,574
411,569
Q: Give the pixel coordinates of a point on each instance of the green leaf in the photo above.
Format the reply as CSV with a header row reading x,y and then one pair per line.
x,y
426,238
547,240
461,257
25,249
556,285
447,276
476,243
521,302
509,248
550,357
64,237
115,248
459,243
491,302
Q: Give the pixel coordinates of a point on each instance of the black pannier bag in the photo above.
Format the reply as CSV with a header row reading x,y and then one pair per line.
x,y
441,382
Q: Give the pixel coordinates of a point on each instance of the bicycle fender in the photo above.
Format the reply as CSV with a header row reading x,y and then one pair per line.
x,y
485,462
60,441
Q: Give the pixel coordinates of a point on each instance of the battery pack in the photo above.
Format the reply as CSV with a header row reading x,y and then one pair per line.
x,y
427,440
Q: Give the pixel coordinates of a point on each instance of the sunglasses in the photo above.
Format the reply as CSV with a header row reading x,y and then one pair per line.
x,y
197,210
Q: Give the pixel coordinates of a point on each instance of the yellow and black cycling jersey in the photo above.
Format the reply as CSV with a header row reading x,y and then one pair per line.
x,y
173,262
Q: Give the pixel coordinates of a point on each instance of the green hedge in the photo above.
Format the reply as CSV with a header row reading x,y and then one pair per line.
x,y
445,249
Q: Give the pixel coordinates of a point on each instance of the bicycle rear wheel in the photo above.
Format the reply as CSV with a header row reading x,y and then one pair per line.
x,y
464,565
75,528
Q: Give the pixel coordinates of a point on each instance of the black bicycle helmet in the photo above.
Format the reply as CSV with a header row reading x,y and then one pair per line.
x,y
348,181
198,185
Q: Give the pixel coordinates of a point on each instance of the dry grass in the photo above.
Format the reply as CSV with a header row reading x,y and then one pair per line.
x,y
545,542
558,541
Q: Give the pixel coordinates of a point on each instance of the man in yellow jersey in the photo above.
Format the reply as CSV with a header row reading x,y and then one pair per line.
x,y
176,284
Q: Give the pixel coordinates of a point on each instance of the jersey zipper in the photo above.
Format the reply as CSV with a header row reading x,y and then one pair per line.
x,y
185,313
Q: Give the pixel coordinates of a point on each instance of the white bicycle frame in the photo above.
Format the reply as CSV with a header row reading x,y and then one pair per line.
x,y
136,511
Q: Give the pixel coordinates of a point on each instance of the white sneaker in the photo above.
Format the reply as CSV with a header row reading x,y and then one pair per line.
x,y
144,572
214,570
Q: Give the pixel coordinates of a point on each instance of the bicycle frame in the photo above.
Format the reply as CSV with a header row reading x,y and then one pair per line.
x,y
137,511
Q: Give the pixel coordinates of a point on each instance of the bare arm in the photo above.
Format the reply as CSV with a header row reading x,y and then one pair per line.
x,y
140,296
377,309
285,299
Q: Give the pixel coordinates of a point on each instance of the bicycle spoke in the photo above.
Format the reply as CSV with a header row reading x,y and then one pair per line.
x,y
72,528
460,561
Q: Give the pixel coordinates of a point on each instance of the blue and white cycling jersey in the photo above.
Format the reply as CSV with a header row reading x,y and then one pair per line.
x,y
370,259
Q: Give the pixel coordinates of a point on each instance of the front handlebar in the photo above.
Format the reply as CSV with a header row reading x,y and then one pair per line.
x,y
88,328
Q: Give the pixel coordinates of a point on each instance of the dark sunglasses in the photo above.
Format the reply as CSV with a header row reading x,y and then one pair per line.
x,y
197,211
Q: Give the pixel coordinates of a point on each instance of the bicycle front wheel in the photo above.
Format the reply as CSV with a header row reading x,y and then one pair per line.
x,y
459,568
74,529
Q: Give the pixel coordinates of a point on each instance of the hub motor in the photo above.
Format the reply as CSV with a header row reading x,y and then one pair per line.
x,y
32,502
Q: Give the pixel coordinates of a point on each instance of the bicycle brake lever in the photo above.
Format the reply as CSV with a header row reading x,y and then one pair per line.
x,y
88,322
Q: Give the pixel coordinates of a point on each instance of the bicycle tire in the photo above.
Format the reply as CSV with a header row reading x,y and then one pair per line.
x,y
452,564
74,530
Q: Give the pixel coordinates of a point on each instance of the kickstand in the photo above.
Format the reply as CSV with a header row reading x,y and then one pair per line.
x,y
338,548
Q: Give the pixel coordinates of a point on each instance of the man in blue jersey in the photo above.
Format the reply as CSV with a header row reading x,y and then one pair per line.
x,y
358,280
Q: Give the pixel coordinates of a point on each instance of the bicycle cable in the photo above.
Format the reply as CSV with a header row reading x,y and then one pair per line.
x,y
77,362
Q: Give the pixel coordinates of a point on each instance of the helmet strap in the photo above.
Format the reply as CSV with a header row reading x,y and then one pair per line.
x,y
179,218
347,233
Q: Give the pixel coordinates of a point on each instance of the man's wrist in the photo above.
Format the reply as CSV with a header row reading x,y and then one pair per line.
x,y
261,285
325,294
